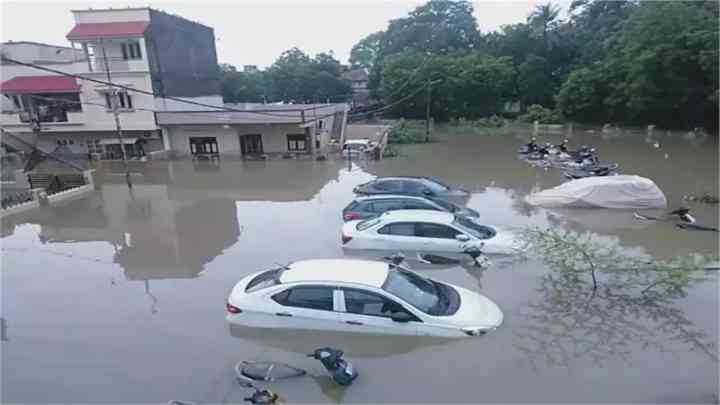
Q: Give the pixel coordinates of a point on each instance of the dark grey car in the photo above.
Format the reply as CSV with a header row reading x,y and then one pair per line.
x,y
417,186
370,206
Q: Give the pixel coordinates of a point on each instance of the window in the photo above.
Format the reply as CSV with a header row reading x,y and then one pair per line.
x,y
367,303
94,146
400,229
477,230
435,185
383,206
320,124
426,230
306,297
124,100
418,205
264,280
296,142
131,50
387,185
413,289
368,223
203,145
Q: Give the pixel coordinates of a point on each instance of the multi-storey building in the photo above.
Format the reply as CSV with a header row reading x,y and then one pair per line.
x,y
159,54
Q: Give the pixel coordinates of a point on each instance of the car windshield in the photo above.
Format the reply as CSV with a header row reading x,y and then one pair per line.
x,y
414,289
355,146
435,185
368,223
475,229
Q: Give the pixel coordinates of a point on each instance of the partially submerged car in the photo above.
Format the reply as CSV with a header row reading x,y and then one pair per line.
x,y
426,231
418,186
356,147
622,192
372,206
359,296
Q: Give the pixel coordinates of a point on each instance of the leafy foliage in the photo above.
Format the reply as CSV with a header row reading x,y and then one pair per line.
x,y
623,61
294,77
577,255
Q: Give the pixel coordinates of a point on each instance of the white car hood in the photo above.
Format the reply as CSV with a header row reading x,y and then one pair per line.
x,y
476,311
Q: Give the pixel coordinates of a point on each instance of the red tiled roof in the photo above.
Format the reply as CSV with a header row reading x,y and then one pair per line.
x,y
39,84
107,30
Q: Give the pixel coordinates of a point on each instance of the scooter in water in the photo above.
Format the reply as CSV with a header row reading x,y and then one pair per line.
x,y
340,370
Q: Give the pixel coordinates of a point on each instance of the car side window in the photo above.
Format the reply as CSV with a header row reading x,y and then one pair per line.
x,y
426,230
370,304
383,206
311,297
399,229
414,187
387,185
418,205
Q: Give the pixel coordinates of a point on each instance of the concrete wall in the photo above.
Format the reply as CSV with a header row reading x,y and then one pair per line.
x,y
37,52
183,59
274,137
111,15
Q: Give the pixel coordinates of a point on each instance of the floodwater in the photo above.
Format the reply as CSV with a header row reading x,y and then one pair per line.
x,y
119,297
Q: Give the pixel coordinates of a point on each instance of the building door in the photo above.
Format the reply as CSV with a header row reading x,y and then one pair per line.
x,y
204,146
251,144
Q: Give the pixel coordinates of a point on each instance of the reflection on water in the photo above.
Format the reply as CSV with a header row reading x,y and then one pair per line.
x,y
305,341
568,321
135,283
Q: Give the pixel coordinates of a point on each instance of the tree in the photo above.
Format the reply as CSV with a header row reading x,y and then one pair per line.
x,y
437,27
542,20
297,77
582,95
365,53
536,84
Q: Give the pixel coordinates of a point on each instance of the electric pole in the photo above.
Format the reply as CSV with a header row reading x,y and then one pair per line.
x,y
427,112
114,105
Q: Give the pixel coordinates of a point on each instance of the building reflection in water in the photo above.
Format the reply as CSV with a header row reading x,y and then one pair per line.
x,y
178,216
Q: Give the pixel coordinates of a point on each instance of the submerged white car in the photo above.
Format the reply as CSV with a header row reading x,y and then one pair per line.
x,y
359,296
426,231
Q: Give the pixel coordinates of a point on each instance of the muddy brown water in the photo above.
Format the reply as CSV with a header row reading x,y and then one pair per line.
x,y
119,296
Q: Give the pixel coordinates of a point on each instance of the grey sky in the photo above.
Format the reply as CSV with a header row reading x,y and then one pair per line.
x,y
254,31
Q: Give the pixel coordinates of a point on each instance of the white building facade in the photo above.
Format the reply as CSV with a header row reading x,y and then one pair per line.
x,y
151,54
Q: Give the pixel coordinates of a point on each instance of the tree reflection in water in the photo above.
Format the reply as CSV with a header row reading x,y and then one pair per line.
x,y
569,322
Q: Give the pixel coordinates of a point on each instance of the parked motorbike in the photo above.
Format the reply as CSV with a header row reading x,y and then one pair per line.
x,y
340,370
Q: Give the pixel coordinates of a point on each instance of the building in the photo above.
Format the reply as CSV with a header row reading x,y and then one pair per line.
x,y
160,54
253,130
358,79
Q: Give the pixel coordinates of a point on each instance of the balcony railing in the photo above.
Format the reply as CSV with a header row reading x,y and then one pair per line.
x,y
97,64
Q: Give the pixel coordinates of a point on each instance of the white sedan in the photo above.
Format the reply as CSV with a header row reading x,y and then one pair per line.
x,y
359,296
426,231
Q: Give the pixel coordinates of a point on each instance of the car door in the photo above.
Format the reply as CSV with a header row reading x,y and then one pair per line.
x,y
439,238
415,187
397,236
369,312
305,307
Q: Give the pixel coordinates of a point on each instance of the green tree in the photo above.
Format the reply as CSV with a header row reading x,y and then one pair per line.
x,y
536,83
366,51
542,21
438,27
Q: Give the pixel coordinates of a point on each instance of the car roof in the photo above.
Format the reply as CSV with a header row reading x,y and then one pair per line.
x,y
370,273
390,196
414,178
418,215
360,141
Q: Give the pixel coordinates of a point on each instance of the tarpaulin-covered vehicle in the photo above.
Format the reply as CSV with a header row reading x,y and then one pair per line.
x,y
622,192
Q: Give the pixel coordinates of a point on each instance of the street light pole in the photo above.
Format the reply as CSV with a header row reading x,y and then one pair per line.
x,y
427,111
114,105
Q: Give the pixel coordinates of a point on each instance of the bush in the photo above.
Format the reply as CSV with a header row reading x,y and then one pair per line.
x,y
493,121
541,114
407,132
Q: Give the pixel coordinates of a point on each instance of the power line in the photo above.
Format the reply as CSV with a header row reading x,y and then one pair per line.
x,y
150,93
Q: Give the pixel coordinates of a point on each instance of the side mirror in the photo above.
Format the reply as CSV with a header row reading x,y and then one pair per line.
x,y
401,317
461,237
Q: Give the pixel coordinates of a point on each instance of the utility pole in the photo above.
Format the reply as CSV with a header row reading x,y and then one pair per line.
x,y
114,104
427,112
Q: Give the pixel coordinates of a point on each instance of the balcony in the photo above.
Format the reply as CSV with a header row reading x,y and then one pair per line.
x,y
97,65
